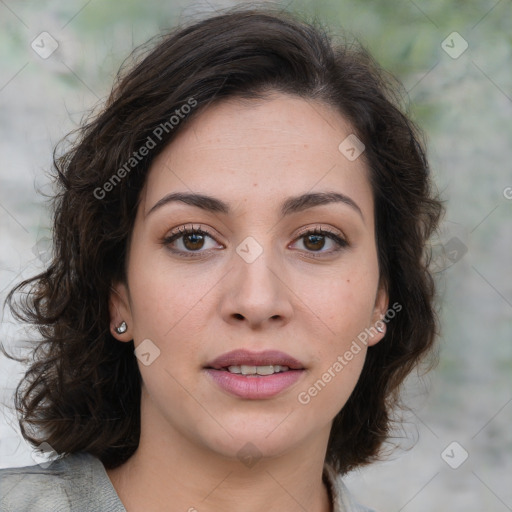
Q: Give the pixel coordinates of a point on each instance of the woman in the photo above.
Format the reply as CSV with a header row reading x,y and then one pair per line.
x,y
239,283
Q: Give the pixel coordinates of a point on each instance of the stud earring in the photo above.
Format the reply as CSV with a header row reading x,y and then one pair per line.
x,y
122,328
380,329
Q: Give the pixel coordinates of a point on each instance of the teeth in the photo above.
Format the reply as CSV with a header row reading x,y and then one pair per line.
x,y
258,370
265,370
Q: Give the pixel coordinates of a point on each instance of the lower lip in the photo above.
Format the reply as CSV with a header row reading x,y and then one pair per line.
x,y
254,386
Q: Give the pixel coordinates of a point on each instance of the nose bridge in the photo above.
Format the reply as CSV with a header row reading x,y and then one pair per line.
x,y
254,262
256,288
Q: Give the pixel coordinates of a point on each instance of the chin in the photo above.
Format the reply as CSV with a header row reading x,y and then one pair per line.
x,y
256,437
249,449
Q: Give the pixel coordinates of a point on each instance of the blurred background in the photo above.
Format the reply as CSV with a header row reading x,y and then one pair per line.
x,y
59,58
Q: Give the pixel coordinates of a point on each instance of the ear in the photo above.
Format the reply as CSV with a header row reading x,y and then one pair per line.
x,y
120,311
379,312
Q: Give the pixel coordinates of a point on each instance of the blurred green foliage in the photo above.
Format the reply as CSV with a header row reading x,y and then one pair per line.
x,y
403,35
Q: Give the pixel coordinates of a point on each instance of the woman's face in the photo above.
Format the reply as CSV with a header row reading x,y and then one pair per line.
x,y
252,279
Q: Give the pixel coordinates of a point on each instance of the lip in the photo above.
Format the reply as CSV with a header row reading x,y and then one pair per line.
x,y
254,387
245,357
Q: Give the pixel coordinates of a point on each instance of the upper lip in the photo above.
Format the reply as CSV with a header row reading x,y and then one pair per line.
x,y
245,357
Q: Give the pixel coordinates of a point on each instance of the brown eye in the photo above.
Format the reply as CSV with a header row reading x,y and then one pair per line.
x,y
314,242
193,241
188,241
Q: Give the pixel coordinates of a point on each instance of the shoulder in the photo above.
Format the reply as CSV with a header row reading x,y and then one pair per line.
x,y
76,482
343,501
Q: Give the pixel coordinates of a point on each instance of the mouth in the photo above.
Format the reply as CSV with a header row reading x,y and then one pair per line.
x,y
256,370
255,363
251,375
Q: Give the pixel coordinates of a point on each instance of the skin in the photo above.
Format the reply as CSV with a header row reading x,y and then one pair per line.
x,y
252,155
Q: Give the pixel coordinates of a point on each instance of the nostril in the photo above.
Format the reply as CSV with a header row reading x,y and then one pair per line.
x,y
238,316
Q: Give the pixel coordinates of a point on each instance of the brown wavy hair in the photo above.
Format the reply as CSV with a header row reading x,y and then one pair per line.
x,y
81,391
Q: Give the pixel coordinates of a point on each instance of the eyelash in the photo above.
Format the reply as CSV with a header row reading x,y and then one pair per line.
x,y
182,231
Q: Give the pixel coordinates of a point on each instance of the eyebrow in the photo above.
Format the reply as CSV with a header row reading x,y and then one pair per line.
x,y
291,205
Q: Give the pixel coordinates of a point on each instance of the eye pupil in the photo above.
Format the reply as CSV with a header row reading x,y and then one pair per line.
x,y
318,241
194,238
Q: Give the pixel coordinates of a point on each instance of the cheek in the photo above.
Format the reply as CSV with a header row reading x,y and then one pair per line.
x,y
340,310
166,297
340,303
331,383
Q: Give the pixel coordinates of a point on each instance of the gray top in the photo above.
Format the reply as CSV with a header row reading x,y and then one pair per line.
x,y
79,483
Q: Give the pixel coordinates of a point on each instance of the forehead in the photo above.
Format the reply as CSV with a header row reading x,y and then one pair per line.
x,y
258,152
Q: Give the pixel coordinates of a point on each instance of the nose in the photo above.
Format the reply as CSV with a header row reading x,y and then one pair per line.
x,y
257,293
